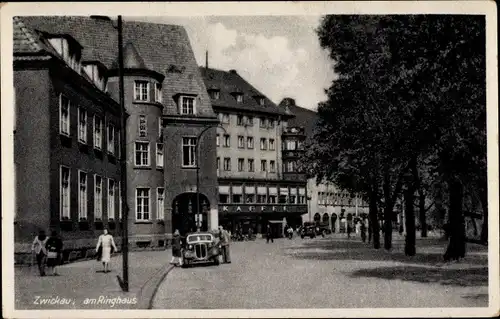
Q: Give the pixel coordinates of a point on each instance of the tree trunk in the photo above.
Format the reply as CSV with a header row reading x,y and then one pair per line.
x,y
422,214
373,212
409,195
456,244
484,203
387,211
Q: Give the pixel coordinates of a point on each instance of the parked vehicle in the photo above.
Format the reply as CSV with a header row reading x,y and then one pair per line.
x,y
308,231
201,247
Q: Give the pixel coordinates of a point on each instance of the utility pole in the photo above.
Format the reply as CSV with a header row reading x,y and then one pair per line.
x,y
124,281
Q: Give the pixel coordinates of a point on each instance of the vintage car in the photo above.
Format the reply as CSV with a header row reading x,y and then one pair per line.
x,y
201,247
308,231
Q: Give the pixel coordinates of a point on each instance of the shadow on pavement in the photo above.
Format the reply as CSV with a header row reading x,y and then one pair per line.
x,y
454,277
428,253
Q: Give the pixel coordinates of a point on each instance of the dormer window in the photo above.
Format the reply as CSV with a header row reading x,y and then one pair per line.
x,y
214,94
187,105
69,49
239,98
261,101
95,72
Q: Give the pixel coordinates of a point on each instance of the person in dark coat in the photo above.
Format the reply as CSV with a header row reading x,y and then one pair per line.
x,y
38,248
224,241
54,250
349,230
269,234
176,248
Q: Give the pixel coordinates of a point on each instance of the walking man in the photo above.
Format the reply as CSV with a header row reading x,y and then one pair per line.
x,y
224,240
269,234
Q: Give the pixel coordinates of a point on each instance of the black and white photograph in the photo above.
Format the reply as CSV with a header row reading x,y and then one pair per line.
x,y
273,159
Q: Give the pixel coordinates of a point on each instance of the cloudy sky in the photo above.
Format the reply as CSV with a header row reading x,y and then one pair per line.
x,y
279,55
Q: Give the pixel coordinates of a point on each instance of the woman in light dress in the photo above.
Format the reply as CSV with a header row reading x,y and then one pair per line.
x,y
106,243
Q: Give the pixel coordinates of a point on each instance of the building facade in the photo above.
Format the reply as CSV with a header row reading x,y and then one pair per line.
x,y
169,186
327,204
66,145
255,188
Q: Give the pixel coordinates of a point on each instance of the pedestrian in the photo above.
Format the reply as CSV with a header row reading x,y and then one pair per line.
x,y
224,241
40,251
176,249
290,232
363,231
54,249
349,230
269,234
105,247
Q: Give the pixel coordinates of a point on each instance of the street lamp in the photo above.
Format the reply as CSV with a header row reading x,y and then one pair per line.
x,y
199,217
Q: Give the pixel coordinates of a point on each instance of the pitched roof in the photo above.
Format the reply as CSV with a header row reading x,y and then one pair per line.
x,y
24,39
163,48
230,82
305,118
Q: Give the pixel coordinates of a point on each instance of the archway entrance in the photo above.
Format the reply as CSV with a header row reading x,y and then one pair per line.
x,y
184,213
334,220
317,218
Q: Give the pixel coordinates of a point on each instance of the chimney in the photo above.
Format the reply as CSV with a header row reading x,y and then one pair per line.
x,y
232,71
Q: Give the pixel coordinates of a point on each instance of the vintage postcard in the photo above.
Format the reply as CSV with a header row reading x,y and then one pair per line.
x,y
253,159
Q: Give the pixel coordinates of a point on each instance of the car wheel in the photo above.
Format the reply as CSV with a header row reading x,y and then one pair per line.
x,y
302,236
216,261
185,265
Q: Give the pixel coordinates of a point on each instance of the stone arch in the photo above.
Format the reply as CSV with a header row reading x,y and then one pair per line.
x,y
184,212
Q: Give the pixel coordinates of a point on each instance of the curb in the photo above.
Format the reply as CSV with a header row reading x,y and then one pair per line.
x,y
148,290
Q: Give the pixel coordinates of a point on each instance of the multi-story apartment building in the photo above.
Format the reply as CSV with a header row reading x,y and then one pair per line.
x,y
66,141
168,108
255,187
327,204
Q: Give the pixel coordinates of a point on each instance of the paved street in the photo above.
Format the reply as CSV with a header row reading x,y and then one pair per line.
x,y
329,273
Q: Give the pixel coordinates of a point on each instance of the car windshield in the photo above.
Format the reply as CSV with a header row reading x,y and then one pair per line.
x,y
205,237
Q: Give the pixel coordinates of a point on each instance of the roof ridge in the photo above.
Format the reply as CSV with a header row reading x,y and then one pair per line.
x,y
33,39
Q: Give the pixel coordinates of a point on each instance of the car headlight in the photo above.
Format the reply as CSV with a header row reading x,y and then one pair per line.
x,y
190,247
220,246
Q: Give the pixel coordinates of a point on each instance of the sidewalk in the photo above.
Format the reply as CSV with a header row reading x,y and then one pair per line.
x,y
80,282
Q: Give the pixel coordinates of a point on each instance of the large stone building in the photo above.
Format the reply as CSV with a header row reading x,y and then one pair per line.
x,y
255,183
168,107
66,145
327,204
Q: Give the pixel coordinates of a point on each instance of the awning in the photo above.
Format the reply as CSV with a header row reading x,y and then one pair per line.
x,y
238,190
273,190
293,191
249,189
224,190
262,190
302,191
283,191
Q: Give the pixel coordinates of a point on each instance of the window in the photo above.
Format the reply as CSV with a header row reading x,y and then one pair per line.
x,y
249,142
158,93
141,89
97,197
217,140
111,139
225,118
218,164
141,153
272,147
302,199
250,121
263,144
214,94
223,198
250,198
227,164
143,127
65,192
97,133
239,98
239,120
160,200
111,199
237,199
271,123
271,199
263,122
187,105
241,164
227,141
272,166
282,199
241,142
263,165
120,200
142,204
290,145
82,125
251,166
261,199
160,128
188,151
292,199
290,166
82,195
159,154
64,108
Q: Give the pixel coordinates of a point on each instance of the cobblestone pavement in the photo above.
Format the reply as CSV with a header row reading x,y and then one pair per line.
x,y
329,272
82,281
